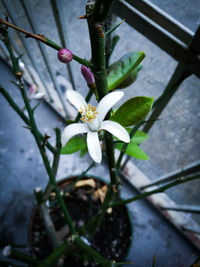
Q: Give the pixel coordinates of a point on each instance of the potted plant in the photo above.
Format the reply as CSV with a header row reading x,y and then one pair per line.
x,y
75,214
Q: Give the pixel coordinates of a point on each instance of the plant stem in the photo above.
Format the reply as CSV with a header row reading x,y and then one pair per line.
x,y
57,152
23,116
50,172
90,251
56,159
71,186
41,147
114,28
95,222
15,254
102,9
111,160
97,40
42,38
158,190
52,258
46,218
123,150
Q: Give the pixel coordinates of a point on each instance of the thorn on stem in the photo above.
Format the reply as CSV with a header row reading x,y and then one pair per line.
x,y
98,26
82,17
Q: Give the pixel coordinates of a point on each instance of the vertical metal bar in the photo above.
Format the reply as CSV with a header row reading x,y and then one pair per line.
x,y
59,15
11,13
34,26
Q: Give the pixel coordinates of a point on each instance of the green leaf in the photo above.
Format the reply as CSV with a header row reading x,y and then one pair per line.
x,y
134,151
133,110
131,78
122,68
75,144
139,137
83,151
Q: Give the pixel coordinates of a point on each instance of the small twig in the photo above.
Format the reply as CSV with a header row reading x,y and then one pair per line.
x,y
22,115
71,186
56,159
123,150
49,226
17,255
90,251
114,28
53,257
154,261
156,191
43,39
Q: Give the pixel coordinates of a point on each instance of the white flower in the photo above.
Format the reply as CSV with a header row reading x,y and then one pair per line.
x,y
94,122
33,92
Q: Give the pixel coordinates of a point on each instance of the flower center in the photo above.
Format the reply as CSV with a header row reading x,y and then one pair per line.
x,y
88,114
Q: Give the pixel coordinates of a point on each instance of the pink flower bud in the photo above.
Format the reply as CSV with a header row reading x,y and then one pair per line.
x,y
65,55
88,75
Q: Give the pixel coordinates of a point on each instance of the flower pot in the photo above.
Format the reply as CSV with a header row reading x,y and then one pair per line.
x,y
112,239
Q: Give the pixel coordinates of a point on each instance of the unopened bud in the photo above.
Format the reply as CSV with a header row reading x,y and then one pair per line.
x,y
65,55
88,75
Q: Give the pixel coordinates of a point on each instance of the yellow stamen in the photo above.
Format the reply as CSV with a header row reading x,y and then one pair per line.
x,y
88,114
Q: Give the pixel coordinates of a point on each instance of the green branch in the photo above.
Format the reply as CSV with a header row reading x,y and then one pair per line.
x,y
123,150
43,39
53,257
90,251
23,116
17,255
114,28
41,147
156,191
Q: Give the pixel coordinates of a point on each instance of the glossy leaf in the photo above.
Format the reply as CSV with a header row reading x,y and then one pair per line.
x,y
75,144
130,79
139,137
83,151
134,151
122,68
133,110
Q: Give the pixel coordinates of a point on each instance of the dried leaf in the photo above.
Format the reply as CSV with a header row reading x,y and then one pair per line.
x,y
100,193
88,182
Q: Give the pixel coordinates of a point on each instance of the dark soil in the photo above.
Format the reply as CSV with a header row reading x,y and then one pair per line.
x,y
112,240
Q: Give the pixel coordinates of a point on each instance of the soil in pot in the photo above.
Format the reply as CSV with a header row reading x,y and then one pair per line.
x,y
113,238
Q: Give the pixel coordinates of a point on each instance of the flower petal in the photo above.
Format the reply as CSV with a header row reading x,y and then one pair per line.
x,y
94,147
38,95
116,129
76,99
106,103
71,130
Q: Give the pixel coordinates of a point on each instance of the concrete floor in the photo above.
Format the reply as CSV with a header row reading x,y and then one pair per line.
x,y
174,140
22,170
